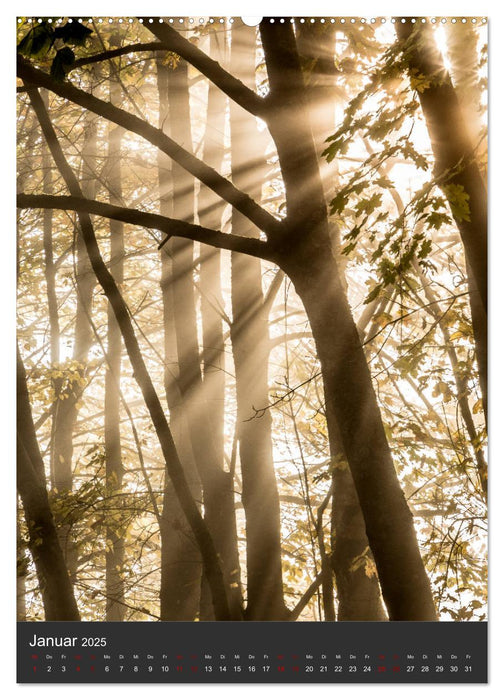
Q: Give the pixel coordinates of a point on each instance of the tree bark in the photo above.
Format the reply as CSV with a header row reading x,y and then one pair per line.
x,y
307,257
456,167
250,344
54,581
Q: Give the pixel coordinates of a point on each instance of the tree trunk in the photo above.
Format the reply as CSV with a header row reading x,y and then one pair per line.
x,y
65,408
210,210
181,568
49,268
218,492
54,581
457,169
114,471
306,256
52,302
65,412
250,343
359,596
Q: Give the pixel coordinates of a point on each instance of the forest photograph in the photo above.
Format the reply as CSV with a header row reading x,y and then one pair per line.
x,y
251,319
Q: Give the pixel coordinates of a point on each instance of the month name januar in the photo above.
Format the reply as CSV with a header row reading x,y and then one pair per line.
x,y
53,641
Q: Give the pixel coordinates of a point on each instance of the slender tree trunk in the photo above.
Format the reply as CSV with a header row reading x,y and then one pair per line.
x,y
49,268
181,568
52,302
65,412
250,342
174,469
114,471
456,166
218,492
306,256
54,581
359,596
210,210
65,408
325,564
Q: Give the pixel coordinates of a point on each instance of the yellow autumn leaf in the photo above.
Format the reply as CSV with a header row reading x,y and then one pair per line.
x,y
478,406
456,335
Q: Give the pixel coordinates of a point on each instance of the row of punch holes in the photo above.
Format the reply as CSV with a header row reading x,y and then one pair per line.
x,y
254,21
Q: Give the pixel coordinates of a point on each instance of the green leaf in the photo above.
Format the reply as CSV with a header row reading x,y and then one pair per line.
x,y
367,206
373,294
62,63
419,160
339,202
384,182
459,201
73,32
37,42
338,145
424,249
436,219
420,82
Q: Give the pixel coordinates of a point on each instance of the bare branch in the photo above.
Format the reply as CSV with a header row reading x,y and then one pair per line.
x,y
172,227
114,53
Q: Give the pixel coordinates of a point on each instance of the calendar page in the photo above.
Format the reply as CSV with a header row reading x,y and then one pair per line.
x,y
252,349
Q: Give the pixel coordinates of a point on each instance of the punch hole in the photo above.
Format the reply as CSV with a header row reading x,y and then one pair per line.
x,y
251,21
